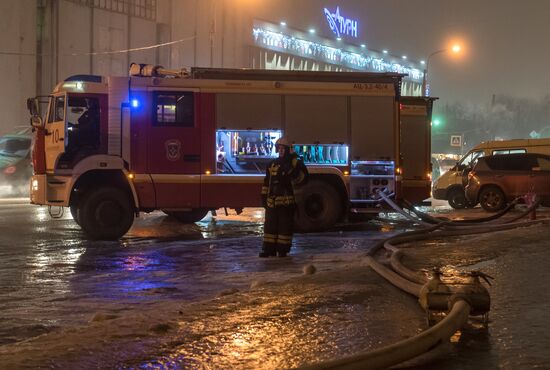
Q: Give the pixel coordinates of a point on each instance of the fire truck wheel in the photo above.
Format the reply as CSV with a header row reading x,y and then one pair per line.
x,y
318,207
188,217
106,213
74,212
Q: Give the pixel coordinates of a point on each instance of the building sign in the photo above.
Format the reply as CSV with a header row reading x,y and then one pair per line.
x,y
340,25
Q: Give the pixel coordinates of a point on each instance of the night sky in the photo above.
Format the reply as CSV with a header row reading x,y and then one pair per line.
x,y
507,50
506,42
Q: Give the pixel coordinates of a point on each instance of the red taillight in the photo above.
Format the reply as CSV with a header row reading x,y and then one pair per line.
x,y
10,170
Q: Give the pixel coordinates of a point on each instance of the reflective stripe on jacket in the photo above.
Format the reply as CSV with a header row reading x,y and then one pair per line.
x,y
282,175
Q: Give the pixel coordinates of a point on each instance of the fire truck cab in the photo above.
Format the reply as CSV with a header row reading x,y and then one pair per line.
x,y
189,141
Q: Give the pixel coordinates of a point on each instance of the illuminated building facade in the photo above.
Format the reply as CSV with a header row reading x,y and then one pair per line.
x,y
277,47
283,34
51,40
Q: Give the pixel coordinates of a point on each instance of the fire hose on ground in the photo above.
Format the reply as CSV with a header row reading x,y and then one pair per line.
x,y
425,219
433,294
434,220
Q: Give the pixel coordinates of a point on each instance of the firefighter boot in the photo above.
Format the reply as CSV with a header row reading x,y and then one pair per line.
x,y
267,251
282,251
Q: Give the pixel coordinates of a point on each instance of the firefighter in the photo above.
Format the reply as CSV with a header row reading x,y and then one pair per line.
x,y
282,174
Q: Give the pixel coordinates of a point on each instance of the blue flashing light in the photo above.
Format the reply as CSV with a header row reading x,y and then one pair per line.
x,y
134,103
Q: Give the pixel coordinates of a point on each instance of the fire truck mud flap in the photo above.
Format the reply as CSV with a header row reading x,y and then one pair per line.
x,y
106,213
319,206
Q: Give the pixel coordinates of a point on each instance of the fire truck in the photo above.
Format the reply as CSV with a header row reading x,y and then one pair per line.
x,y
187,141
415,148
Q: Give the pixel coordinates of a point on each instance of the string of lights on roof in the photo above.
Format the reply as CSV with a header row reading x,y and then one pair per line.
x,y
366,61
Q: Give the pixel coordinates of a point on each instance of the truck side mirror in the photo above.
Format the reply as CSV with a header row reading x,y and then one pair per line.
x,y
33,107
36,122
34,110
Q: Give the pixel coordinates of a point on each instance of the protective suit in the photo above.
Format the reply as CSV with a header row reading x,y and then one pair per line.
x,y
282,175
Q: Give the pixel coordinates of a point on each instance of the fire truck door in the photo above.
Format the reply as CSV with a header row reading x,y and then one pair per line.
x,y
415,144
174,159
55,131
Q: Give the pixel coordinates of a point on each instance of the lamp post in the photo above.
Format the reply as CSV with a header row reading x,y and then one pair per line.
x,y
455,49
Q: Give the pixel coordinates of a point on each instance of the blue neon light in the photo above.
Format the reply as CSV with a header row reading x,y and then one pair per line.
x,y
135,103
339,25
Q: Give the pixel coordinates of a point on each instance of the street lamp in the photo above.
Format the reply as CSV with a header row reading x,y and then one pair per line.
x,y
455,49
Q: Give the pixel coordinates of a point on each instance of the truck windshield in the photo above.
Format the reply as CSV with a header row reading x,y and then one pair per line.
x,y
57,109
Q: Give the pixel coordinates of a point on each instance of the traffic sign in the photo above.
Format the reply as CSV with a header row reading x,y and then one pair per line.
x,y
456,140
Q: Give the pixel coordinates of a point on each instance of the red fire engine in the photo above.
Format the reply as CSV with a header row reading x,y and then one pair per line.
x,y
415,148
189,141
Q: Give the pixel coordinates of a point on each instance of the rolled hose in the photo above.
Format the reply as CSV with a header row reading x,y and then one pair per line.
x,y
438,232
397,280
434,232
406,349
402,212
532,208
410,282
427,218
380,244
397,254
454,224
430,219
397,266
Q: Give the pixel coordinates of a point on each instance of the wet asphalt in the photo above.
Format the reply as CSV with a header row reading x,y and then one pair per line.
x,y
260,313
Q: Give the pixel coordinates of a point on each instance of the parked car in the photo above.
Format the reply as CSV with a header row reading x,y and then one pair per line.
x,y
450,185
496,180
15,163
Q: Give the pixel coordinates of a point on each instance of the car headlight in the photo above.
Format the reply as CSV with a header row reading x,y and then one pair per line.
x,y
10,170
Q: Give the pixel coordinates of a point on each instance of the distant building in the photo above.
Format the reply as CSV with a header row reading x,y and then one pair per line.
x,y
283,34
49,40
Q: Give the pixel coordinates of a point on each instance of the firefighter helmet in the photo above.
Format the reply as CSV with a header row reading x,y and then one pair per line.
x,y
282,141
